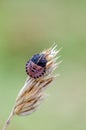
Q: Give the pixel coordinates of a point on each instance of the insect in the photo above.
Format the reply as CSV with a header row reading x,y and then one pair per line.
x,y
36,66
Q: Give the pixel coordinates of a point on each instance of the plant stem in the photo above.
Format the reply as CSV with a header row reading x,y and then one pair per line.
x,y
8,120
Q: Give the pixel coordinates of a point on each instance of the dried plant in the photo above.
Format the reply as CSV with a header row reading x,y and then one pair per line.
x,y
32,93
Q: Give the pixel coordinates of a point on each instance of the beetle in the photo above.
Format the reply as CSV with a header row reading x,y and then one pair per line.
x,y
36,66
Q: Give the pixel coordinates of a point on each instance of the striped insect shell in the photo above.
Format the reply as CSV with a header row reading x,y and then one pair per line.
x,y
36,66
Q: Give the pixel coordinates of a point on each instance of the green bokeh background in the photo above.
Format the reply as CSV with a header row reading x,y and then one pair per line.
x,y
27,27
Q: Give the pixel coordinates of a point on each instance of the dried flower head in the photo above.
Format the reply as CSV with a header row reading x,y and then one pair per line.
x,y
32,93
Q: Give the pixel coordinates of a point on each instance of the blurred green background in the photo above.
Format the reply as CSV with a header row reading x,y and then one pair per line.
x,y
27,27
